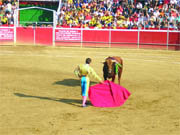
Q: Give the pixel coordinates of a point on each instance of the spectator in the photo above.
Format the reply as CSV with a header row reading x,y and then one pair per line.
x,y
9,18
8,8
4,20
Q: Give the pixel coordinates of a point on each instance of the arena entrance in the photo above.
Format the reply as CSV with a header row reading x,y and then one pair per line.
x,y
33,27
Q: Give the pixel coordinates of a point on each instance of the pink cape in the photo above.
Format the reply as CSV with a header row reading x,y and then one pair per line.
x,y
108,94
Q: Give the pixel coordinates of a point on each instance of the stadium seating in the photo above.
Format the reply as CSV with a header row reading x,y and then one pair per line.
x,y
105,14
118,14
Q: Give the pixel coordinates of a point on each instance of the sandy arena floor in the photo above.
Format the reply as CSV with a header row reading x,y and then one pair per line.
x,y
39,94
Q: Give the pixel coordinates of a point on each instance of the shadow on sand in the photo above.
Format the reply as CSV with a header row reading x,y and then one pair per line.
x,y
70,82
73,102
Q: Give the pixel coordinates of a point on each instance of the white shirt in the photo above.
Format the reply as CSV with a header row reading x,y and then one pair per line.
x,y
173,1
9,7
156,13
139,5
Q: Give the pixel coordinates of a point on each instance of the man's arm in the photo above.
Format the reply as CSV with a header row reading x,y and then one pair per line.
x,y
76,72
93,73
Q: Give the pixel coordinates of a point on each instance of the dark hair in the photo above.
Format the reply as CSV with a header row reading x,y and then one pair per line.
x,y
88,60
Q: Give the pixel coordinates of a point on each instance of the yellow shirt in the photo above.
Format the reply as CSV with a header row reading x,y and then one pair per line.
x,y
99,26
4,20
93,21
88,10
76,20
67,17
70,21
86,70
103,18
70,1
120,22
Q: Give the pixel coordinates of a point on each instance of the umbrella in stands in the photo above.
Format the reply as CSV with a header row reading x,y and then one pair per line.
x,y
108,94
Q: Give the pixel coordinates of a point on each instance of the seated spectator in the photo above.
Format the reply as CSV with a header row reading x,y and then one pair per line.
x,y
146,25
4,20
178,18
8,7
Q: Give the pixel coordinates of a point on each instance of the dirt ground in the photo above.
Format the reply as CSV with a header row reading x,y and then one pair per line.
x,y
40,95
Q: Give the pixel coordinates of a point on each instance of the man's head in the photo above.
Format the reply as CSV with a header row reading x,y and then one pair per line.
x,y
88,60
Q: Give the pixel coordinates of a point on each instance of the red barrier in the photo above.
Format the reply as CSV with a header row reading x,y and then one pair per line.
x,y
153,37
6,36
174,38
30,35
124,37
163,39
71,35
101,36
24,35
44,36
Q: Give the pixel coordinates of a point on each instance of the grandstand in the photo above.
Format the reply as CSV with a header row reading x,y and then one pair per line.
x,y
85,21
120,14
98,14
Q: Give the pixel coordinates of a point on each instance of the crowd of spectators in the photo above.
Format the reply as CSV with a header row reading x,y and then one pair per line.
x,y
115,14
128,14
7,8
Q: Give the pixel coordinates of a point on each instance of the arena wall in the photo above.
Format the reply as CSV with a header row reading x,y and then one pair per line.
x,y
161,39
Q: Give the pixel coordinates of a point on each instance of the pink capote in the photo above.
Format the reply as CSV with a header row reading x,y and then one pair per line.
x,y
108,94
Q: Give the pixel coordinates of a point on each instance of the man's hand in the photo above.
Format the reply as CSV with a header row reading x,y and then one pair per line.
x,y
101,82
